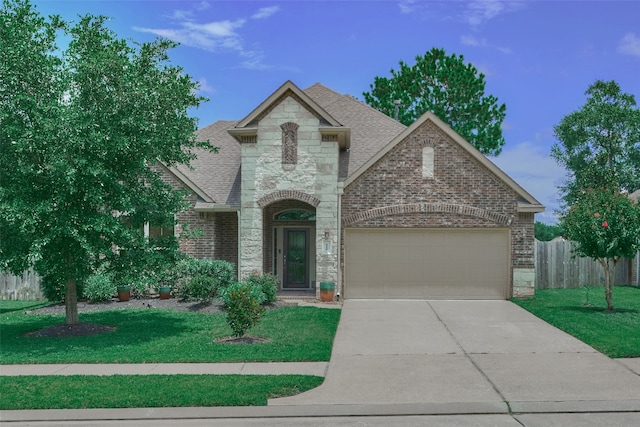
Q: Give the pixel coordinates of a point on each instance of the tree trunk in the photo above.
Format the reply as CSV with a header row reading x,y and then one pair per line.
x,y
71,303
609,266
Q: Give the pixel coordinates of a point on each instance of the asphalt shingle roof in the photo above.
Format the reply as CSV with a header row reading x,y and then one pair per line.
x,y
218,174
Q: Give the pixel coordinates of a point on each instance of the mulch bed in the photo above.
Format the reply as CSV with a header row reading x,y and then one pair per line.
x,y
77,330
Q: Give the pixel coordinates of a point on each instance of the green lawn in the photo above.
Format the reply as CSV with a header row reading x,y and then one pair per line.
x,y
155,336
146,391
614,334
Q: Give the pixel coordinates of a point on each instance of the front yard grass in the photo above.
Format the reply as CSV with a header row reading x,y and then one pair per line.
x,y
614,334
149,335
146,391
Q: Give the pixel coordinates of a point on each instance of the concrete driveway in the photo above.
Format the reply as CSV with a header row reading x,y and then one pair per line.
x,y
465,357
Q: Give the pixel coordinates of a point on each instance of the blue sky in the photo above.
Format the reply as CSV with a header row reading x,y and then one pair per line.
x,y
538,57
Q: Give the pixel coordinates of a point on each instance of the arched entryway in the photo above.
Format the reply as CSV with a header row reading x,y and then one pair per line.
x,y
289,230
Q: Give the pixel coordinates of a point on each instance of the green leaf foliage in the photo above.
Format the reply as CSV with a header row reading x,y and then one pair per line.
x,y
450,88
603,224
600,143
80,133
243,308
546,232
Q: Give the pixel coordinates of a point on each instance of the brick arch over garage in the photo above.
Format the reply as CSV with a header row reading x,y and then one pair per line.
x,y
290,195
497,218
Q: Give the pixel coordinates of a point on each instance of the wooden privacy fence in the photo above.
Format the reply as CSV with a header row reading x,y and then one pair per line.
x,y
556,267
24,287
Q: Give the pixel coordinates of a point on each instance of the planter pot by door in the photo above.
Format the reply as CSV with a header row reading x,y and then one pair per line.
x,y
327,290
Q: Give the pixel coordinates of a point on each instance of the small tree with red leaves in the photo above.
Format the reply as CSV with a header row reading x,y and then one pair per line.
x,y
603,224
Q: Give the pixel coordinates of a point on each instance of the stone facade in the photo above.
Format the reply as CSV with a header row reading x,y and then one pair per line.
x,y
273,174
457,192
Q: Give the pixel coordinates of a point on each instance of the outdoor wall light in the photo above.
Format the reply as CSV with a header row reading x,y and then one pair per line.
x,y
326,242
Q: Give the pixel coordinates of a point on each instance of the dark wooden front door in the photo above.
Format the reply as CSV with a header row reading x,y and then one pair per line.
x,y
296,258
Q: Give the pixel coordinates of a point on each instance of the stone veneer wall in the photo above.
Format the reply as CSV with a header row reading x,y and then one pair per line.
x,y
263,174
269,223
462,193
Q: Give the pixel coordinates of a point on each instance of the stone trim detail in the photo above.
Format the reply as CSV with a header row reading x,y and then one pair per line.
x,y
280,99
288,195
249,139
289,143
426,208
329,137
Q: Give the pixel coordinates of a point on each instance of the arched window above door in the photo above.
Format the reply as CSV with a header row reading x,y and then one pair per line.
x,y
295,215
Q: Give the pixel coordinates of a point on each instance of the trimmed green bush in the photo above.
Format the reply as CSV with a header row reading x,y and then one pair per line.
x,y
243,308
268,284
99,287
201,280
254,290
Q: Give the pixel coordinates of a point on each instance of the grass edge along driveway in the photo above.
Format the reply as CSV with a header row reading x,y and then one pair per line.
x,y
296,334
581,312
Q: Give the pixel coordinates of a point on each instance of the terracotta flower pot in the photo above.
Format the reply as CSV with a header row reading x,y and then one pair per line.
x,y
327,290
124,293
165,292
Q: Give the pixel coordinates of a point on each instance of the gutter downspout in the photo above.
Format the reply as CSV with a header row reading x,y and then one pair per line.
x,y
239,243
339,292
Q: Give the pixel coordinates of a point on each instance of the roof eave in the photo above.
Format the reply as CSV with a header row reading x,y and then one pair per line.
x,y
287,86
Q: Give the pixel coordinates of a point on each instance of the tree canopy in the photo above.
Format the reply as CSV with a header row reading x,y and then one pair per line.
x,y
600,143
450,88
80,130
600,146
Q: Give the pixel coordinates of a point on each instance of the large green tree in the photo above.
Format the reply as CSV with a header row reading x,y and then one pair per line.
x,y
448,87
599,145
80,130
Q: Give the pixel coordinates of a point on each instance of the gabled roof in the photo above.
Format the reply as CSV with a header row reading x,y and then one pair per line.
x,y
287,88
216,176
528,203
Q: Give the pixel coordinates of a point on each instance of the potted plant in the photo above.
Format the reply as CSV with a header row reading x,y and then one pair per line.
x,y
164,292
326,291
124,292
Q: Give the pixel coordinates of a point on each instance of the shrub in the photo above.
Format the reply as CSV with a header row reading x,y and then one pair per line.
x,y
243,308
267,283
254,290
99,287
201,280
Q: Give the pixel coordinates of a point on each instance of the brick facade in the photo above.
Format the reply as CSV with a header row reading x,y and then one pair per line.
x,y
394,193
219,239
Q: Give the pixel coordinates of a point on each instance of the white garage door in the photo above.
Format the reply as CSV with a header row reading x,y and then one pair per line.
x,y
427,263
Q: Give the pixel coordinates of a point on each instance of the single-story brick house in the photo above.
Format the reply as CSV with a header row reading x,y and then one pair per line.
x,y
314,186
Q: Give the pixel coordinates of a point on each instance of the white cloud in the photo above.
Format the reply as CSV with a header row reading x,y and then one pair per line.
x,y
265,12
630,45
407,6
214,36
473,41
479,12
531,166
205,87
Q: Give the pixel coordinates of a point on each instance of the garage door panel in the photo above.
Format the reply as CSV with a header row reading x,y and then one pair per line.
x,y
427,263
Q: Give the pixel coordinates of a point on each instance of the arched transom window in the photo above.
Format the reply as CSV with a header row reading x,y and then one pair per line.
x,y
295,215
